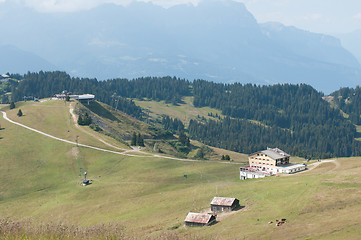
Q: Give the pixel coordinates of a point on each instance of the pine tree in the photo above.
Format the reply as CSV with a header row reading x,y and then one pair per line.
x,y
140,140
87,119
80,120
133,140
183,139
20,113
12,105
200,153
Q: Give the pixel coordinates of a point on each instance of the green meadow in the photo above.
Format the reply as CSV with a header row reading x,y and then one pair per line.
x,y
184,111
149,196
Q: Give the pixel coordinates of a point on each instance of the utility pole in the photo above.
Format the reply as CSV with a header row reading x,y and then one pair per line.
x,y
76,140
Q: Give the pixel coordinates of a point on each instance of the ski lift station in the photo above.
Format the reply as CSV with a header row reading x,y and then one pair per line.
x,y
81,98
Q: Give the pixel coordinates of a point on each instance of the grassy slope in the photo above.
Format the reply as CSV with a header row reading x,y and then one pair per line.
x,y
53,117
40,179
187,111
116,122
184,112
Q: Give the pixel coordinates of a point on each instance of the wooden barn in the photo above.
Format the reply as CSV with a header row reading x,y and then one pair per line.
x,y
223,204
199,219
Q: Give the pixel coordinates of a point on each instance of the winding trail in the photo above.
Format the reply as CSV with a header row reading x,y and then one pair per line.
x,y
312,166
71,110
109,151
316,164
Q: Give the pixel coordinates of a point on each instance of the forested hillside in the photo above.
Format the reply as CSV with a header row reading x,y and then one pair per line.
x,y
113,92
292,117
349,101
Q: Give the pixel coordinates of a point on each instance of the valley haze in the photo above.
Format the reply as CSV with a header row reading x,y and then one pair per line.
x,y
219,41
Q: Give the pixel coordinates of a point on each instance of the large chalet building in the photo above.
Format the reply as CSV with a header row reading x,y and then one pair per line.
x,y
273,161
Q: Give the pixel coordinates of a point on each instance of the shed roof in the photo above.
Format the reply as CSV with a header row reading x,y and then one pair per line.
x,y
222,201
274,153
198,217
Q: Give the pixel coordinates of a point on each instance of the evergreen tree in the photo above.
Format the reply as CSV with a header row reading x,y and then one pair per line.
x,y
80,120
84,120
200,153
20,113
183,139
140,140
87,120
133,140
12,105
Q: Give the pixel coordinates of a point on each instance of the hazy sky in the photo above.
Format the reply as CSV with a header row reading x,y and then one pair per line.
x,y
323,16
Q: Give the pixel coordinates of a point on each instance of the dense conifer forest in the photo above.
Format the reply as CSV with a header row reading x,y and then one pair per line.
x,y
292,117
349,101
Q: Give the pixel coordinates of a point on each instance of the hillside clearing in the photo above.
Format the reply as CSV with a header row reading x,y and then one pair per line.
x,y
183,111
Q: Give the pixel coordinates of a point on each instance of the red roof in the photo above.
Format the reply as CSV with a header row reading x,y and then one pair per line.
x,y
222,201
198,217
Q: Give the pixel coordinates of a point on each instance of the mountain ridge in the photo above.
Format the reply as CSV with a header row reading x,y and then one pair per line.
x,y
217,40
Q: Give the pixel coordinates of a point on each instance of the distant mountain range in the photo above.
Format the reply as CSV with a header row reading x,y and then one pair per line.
x,y
14,60
215,40
351,41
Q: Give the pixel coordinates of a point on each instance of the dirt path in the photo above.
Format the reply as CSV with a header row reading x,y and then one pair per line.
x,y
316,164
312,166
110,151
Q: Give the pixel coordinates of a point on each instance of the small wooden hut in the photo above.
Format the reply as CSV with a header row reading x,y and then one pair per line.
x,y
199,219
222,204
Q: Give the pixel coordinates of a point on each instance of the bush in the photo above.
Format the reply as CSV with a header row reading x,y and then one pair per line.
x,y
95,127
200,154
84,120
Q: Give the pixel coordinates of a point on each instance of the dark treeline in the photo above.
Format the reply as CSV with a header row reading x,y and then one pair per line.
x,y
291,117
174,125
287,106
164,88
5,88
246,137
295,118
349,101
112,92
